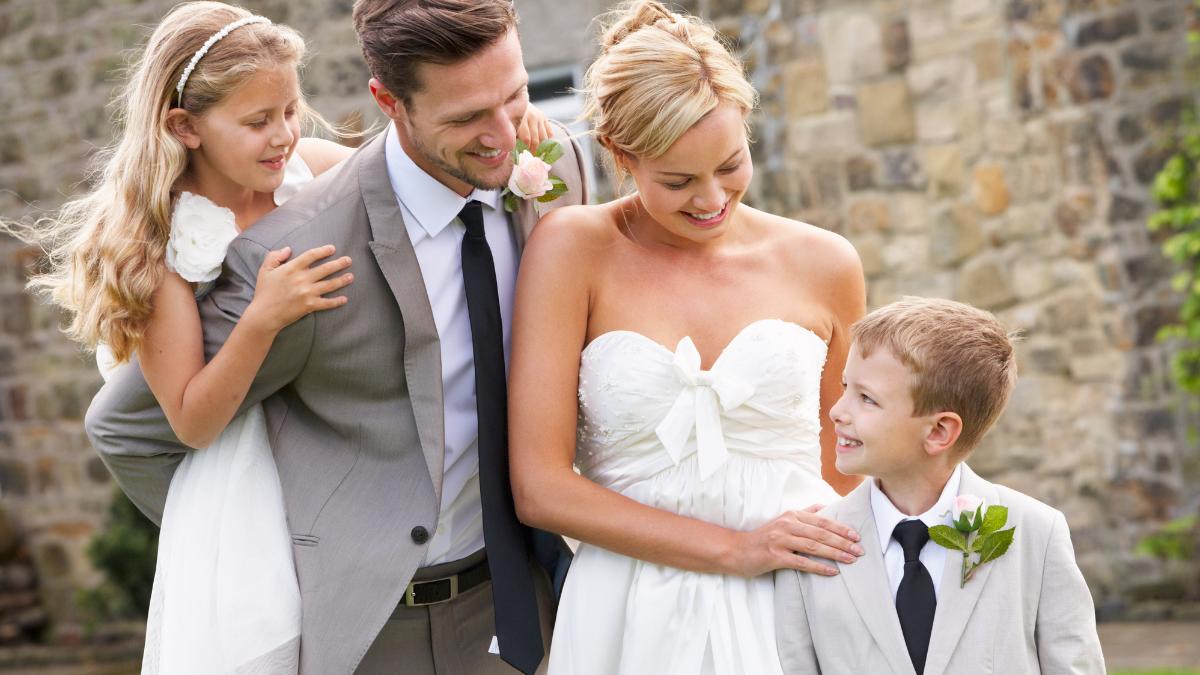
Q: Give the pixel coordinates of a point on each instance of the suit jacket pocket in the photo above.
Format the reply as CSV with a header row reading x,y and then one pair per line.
x,y
305,540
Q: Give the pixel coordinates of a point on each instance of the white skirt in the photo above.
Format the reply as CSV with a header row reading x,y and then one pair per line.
x,y
225,597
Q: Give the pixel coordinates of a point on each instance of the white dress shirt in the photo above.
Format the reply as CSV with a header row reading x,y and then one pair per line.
x,y
430,211
887,516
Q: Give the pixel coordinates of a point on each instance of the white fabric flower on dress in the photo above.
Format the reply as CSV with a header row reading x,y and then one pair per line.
x,y
200,236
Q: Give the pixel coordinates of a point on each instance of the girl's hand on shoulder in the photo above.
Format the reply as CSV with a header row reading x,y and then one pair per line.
x,y
535,127
288,290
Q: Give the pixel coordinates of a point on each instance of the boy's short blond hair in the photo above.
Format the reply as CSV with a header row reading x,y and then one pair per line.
x,y
961,359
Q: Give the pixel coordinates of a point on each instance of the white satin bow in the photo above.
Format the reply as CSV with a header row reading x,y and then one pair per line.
x,y
699,405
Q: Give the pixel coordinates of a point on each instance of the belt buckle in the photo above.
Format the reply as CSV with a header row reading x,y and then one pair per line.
x,y
410,593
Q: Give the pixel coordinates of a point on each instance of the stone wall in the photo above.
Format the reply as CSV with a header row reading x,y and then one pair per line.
x,y
993,152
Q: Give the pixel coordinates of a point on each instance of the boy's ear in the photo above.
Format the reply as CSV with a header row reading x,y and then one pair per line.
x,y
944,430
182,125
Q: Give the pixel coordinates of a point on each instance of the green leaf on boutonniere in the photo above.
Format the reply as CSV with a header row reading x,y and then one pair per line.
x,y
996,544
550,151
511,202
968,521
948,537
520,147
994,519
559,189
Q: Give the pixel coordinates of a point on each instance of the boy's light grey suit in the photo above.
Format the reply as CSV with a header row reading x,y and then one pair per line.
x,y
1027,612
353,401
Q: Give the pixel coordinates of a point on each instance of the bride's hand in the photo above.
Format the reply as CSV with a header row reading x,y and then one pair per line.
x,y
780,543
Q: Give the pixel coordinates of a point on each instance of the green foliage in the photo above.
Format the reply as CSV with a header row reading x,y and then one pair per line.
x,y
1177,191
1177,540
126,553
995,544
994,519
948,537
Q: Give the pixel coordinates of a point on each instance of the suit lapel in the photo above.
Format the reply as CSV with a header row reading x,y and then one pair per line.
x,y
422,350
955,603
867,582
523,220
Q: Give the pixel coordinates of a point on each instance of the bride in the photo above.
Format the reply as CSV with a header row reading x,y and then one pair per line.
x,y
680,349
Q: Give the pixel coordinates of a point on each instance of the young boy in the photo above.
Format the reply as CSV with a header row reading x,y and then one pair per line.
x,y
924,381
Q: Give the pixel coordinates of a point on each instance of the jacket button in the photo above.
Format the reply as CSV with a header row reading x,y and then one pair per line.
x,y
420,535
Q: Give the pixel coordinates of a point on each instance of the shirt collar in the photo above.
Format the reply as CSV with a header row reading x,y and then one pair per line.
x,y
887,516
431,204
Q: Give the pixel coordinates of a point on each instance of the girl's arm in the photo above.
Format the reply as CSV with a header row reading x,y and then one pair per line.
x,y
199,400
549,330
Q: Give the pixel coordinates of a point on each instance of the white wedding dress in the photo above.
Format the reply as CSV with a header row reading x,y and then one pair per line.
x,y
736,445
225,596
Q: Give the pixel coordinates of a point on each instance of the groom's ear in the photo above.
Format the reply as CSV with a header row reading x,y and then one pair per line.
x,y
387,102
944,430
182,126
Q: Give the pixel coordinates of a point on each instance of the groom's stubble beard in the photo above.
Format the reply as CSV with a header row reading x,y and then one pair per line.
x,y
454,171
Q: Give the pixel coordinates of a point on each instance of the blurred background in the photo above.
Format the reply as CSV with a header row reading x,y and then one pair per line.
x,y
1033,157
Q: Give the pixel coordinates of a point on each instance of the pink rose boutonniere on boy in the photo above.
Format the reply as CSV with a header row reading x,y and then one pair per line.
x,y
976,531
531,178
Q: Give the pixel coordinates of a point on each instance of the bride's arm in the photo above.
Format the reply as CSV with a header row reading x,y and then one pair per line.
x,y
199,400
549,330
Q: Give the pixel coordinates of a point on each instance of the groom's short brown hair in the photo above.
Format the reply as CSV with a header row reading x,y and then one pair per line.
x,y
960,359
397,36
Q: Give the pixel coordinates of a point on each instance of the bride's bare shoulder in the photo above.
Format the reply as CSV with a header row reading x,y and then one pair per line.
x,y
809,244
578,232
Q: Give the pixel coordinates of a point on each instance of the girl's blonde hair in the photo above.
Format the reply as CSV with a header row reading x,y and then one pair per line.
x,y
658,73
106,249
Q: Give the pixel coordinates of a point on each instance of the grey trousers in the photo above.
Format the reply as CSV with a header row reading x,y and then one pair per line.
x,y
449,638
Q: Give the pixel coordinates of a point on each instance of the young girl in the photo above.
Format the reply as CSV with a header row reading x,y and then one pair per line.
x,y
211,143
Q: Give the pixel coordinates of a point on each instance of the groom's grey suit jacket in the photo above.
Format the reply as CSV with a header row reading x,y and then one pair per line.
x,y
1027,612
353,402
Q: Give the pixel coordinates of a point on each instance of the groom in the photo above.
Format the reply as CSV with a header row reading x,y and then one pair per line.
x,y
387,417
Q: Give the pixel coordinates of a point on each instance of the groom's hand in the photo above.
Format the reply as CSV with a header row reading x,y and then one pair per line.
x,y
780,543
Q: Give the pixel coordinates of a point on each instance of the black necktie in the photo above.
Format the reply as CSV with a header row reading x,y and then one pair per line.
x,y
915,601
507,540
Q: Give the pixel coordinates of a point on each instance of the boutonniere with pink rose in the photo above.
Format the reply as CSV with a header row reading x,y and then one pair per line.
x,y
976,532
531,178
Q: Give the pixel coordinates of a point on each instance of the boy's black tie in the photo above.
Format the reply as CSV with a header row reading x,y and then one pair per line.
x,y
507,540
915,600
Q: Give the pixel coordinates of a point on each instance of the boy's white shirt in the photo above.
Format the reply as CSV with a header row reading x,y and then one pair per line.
x,y
887,516
1028,612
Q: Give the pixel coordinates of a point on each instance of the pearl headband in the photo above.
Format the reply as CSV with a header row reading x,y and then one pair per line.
x,y
208,45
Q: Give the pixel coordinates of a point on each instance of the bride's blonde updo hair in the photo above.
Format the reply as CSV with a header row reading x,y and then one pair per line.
x,y
658,73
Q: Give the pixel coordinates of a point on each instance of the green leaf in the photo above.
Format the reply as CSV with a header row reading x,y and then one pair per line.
x,y
521,147
948,537
996,545
963,524
979,542
559,189
994,519
511,202
550,151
